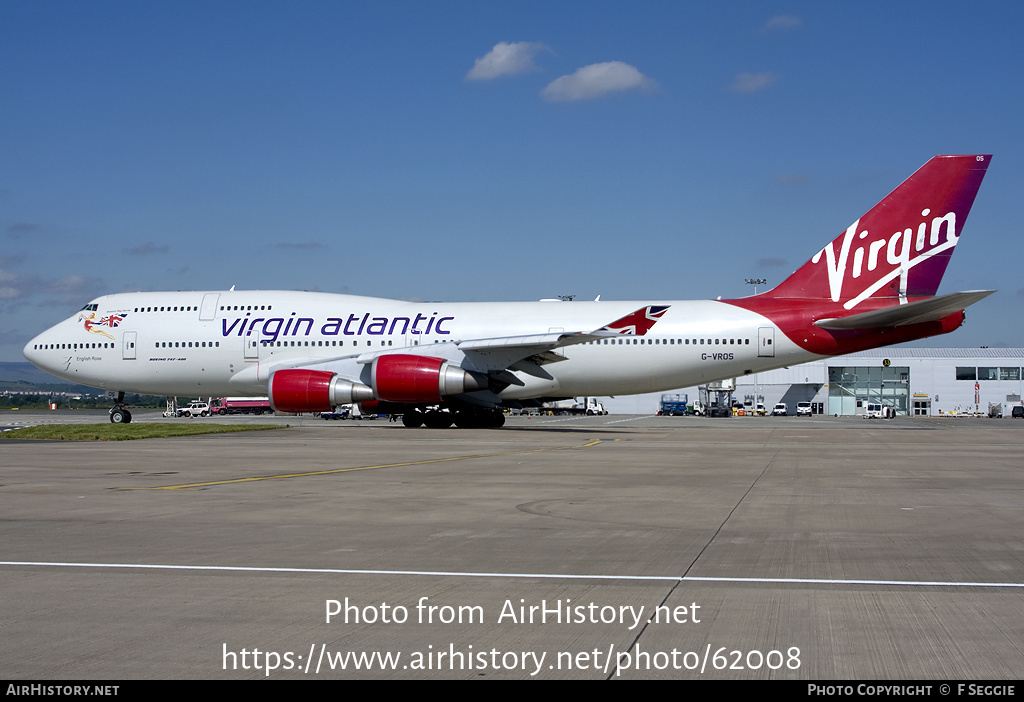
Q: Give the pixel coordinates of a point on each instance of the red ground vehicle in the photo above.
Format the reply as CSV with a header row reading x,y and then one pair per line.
x,y
240,405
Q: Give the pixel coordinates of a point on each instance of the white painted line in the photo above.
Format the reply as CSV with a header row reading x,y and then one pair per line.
x,y
341,571
551,576
825,581
631,419
561,419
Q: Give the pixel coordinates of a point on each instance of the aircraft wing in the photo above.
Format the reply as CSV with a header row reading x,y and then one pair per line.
x,y
527,353
523,353
495,357
928,310
256,373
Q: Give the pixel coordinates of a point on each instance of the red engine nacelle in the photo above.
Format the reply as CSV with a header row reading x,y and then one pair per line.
x,y
401,378
418,379
298,390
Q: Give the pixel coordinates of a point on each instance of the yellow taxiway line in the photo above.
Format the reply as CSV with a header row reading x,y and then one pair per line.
x,y
285,476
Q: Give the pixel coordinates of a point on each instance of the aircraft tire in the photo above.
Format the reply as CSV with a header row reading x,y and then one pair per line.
x,y
120,416
412,419
467,419
436,419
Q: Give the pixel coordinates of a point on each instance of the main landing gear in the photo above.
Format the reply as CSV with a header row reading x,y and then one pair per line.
x,y
464,419
118,413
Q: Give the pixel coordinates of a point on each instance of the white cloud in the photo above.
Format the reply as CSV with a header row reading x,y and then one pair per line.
x,y
69,291
781,23
597,80
12,286
752,82
506,59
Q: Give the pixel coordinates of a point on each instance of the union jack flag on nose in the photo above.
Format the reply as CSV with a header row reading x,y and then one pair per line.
x,y
637,323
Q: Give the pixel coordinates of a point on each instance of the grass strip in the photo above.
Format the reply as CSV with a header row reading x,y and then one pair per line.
x,y
126,432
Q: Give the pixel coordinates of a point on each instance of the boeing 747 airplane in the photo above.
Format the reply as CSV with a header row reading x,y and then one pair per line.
x,y
441,363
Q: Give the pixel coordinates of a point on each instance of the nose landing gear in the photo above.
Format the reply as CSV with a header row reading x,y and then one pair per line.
x,y
118,413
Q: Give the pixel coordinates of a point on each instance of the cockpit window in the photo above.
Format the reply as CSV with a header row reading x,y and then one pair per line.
x,y
91,307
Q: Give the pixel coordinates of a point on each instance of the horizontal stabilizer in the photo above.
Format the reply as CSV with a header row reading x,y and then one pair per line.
x,y
928,310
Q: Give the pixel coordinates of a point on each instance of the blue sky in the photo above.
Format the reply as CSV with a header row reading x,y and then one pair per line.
x,y
488,151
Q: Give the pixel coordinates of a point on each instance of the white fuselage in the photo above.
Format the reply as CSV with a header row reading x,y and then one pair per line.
x,y
227,343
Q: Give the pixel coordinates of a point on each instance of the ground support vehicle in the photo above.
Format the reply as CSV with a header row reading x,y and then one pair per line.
x,y
240,405
673,406
196,409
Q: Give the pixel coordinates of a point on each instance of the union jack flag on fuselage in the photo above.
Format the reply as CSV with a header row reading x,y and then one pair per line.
x,y
113,320
637,323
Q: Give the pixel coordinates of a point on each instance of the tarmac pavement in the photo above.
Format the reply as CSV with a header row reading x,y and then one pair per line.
x,y
598,547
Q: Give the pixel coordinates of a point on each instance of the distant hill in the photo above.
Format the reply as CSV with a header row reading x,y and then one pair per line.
x,y
24,372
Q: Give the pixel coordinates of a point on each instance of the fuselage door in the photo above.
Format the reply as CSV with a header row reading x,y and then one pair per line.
x,y
252,345
128,346
209,309
766,342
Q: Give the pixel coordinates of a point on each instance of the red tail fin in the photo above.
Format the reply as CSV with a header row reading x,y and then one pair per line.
x,y
901,247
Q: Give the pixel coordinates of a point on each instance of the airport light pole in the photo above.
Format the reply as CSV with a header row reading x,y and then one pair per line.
x,y
755,282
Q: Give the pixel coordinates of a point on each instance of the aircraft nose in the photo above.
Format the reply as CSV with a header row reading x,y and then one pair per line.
x,y
34,352
31,350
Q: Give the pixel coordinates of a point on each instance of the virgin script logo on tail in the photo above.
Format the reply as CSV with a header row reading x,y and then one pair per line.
x,y
637,323
903,249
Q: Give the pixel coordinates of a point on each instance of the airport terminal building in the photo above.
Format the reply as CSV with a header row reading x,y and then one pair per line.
x,y
913,381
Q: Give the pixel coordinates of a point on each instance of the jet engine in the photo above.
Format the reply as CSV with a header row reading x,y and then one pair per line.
x,y
400,378
298,390
419,379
